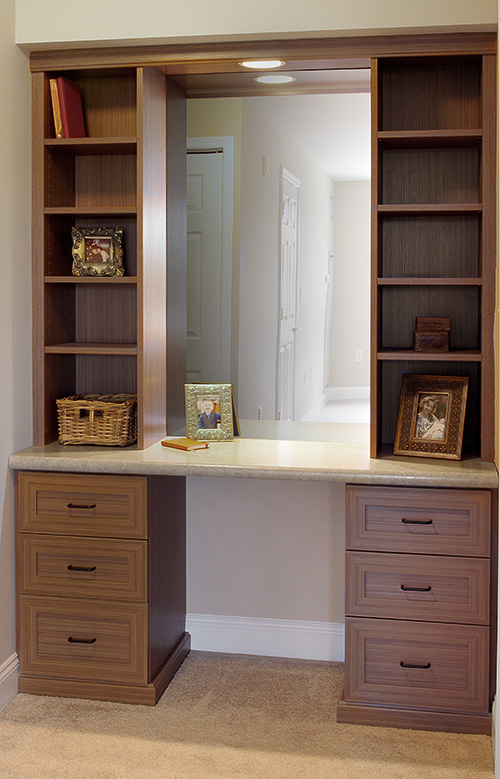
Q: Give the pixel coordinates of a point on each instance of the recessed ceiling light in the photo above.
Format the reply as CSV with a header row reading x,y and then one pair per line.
x,y
275,79
262,64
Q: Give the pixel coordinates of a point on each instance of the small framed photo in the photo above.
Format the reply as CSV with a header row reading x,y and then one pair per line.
x,y
97,251
431,416
209,412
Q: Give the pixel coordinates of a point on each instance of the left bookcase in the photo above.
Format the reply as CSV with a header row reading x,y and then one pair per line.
x,y
101,334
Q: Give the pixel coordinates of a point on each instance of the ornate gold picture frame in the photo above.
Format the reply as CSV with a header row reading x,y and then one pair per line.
x,y
431,416
209,412
97,251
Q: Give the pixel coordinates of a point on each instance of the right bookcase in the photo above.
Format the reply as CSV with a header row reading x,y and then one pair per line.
x,y
433,232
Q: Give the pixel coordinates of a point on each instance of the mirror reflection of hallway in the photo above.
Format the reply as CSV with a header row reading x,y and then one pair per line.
x,y
333,237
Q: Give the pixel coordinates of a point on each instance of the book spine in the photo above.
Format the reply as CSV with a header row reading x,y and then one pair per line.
x,y
56,108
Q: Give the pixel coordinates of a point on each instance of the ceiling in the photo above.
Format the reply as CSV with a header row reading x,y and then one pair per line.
x,y
326,111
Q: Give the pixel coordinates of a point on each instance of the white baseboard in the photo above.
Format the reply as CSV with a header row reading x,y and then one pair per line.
x,y
268,637
347,393
315,410
8,680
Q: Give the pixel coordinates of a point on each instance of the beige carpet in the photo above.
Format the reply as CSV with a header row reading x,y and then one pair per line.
x,y
227,717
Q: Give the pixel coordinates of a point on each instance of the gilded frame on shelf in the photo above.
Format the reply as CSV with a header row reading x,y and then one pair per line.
x,y
209,412
431,416
97,251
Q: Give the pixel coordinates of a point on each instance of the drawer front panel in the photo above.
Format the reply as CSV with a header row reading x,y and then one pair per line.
x,y
82,568
422,521
82,505
420,665
71,639
420,587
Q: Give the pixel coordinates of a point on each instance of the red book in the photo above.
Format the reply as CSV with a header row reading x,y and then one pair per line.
x,y
70,101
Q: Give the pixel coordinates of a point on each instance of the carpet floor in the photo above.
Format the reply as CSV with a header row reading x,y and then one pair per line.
x,y
227,717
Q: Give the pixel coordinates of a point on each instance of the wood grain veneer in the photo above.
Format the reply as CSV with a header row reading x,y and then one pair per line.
x,y
101,584
418,587
94,568
452,672
437,521
82,505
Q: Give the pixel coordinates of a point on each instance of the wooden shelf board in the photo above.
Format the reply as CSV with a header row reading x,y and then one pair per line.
x,y
88,146
429,281
466,355
91,210
91,348
90,279
429,208
407,139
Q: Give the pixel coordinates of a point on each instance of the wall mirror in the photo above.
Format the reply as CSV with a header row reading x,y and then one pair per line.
x,y
278,248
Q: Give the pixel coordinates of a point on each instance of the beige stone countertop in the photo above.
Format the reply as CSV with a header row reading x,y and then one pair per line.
x,y
261,458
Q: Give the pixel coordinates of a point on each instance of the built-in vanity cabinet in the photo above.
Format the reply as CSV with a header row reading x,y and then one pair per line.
x,y
101,584
101,557
418,609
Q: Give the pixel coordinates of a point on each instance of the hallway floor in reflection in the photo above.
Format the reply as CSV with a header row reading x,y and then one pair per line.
x,y
348,411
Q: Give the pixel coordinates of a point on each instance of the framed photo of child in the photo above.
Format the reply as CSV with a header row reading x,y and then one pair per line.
x,y
431,416
209,412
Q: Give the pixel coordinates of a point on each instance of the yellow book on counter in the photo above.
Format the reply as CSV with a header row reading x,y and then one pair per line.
x,y
187,444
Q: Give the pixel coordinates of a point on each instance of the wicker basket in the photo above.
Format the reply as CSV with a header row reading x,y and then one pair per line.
x,y
103,420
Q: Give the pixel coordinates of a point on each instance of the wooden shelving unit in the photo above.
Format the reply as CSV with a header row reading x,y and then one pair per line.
x,y
433,231
106,335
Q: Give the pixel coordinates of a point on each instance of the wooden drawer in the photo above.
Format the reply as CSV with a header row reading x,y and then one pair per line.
x,y
417,665
422,521
92,640
82,504
82,568
419,587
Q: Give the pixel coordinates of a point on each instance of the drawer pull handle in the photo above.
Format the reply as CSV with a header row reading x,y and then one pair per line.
x,y
415,589
417,521
80,506
81,640
410,665
81,568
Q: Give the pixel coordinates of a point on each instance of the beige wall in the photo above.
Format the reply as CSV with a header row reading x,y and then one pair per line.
x,y
53,21
15,305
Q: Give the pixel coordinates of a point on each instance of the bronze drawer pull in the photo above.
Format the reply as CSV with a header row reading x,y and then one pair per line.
x,y
415,589
77,506
409,665
417,521
81,640
87,570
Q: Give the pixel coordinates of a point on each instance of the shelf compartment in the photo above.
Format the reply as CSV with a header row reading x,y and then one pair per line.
x,y
74,374
429,245
58,242
89,180
391,373
90,314
431,176
109,100
427,94
399,306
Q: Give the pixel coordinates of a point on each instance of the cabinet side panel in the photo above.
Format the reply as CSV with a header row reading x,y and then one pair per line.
x,y
40,98
167,567
151,257
176,255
